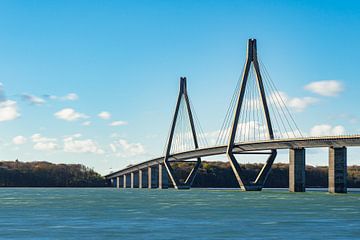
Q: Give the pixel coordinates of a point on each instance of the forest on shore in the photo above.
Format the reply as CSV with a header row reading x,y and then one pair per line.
x,y
219,174
45,174
211,174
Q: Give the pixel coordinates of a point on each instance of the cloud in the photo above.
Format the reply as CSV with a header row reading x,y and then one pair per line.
x,y
298,104
125,149
44,143
8,110
71,97
104,115
32,99
74,145
67,97
45,146
327,130
18,140
328,88
118,123
86,123
69,114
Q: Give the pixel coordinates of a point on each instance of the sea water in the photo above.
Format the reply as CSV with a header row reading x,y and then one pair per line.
x,y
108,213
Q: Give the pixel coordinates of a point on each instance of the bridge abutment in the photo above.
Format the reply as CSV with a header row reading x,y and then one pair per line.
x,y
297,170
338,170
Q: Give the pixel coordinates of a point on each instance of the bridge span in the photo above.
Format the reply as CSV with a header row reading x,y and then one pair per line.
x,y
244,131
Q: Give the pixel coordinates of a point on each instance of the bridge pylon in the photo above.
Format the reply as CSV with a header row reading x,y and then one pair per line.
x,y
183,96
257,185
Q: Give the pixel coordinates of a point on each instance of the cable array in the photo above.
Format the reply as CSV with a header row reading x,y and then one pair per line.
x,y
252,124
183,139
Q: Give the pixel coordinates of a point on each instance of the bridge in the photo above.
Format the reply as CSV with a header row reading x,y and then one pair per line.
x,y
257,122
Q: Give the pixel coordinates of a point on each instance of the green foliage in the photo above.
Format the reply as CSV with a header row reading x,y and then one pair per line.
x,y
220,174
45,174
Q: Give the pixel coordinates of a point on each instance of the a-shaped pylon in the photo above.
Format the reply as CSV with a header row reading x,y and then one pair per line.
x,y
183,96
261,178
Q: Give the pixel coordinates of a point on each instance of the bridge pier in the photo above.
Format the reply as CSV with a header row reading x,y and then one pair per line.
x,y
140,174
117,182
124,181
163,177
134,180
153,177
297,170
337,170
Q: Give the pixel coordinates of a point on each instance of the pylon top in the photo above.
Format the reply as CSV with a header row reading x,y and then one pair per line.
x,y
252,50
183,85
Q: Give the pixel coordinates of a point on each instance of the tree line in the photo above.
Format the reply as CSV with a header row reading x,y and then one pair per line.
x,y
220,174
211,174
45,174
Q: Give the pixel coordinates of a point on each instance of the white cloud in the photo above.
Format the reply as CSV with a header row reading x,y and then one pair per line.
x,y
18,140
118,123
44,143
32,99
38,138
326,87
104,115
69,114
125,149
67,97
86,123
71,97
74,145
327,130
8,110
45,146
298,104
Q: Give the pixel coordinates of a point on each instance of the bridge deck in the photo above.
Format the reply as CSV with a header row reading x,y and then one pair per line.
x,y
311,142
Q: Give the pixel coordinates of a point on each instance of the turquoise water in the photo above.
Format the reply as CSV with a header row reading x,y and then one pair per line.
x,y
63,213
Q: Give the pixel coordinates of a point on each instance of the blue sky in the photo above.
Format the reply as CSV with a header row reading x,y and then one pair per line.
x,y
62,63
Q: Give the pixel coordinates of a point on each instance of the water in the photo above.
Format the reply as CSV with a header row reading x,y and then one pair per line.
x,y
63,213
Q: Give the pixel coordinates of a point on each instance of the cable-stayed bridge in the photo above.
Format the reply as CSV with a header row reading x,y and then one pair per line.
x,y
257,122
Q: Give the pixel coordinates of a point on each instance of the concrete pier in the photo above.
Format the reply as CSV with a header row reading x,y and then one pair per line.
x,y
124,181
153,177
117,182
163,177
297,170
140,173
134,178
337,170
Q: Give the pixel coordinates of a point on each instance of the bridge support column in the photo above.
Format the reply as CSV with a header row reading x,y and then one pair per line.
x,y
140,174
134,178
337,170
117,182
124,181
297,170
163,177
153,177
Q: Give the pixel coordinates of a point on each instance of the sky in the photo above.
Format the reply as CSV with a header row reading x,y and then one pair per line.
x,y
95,82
